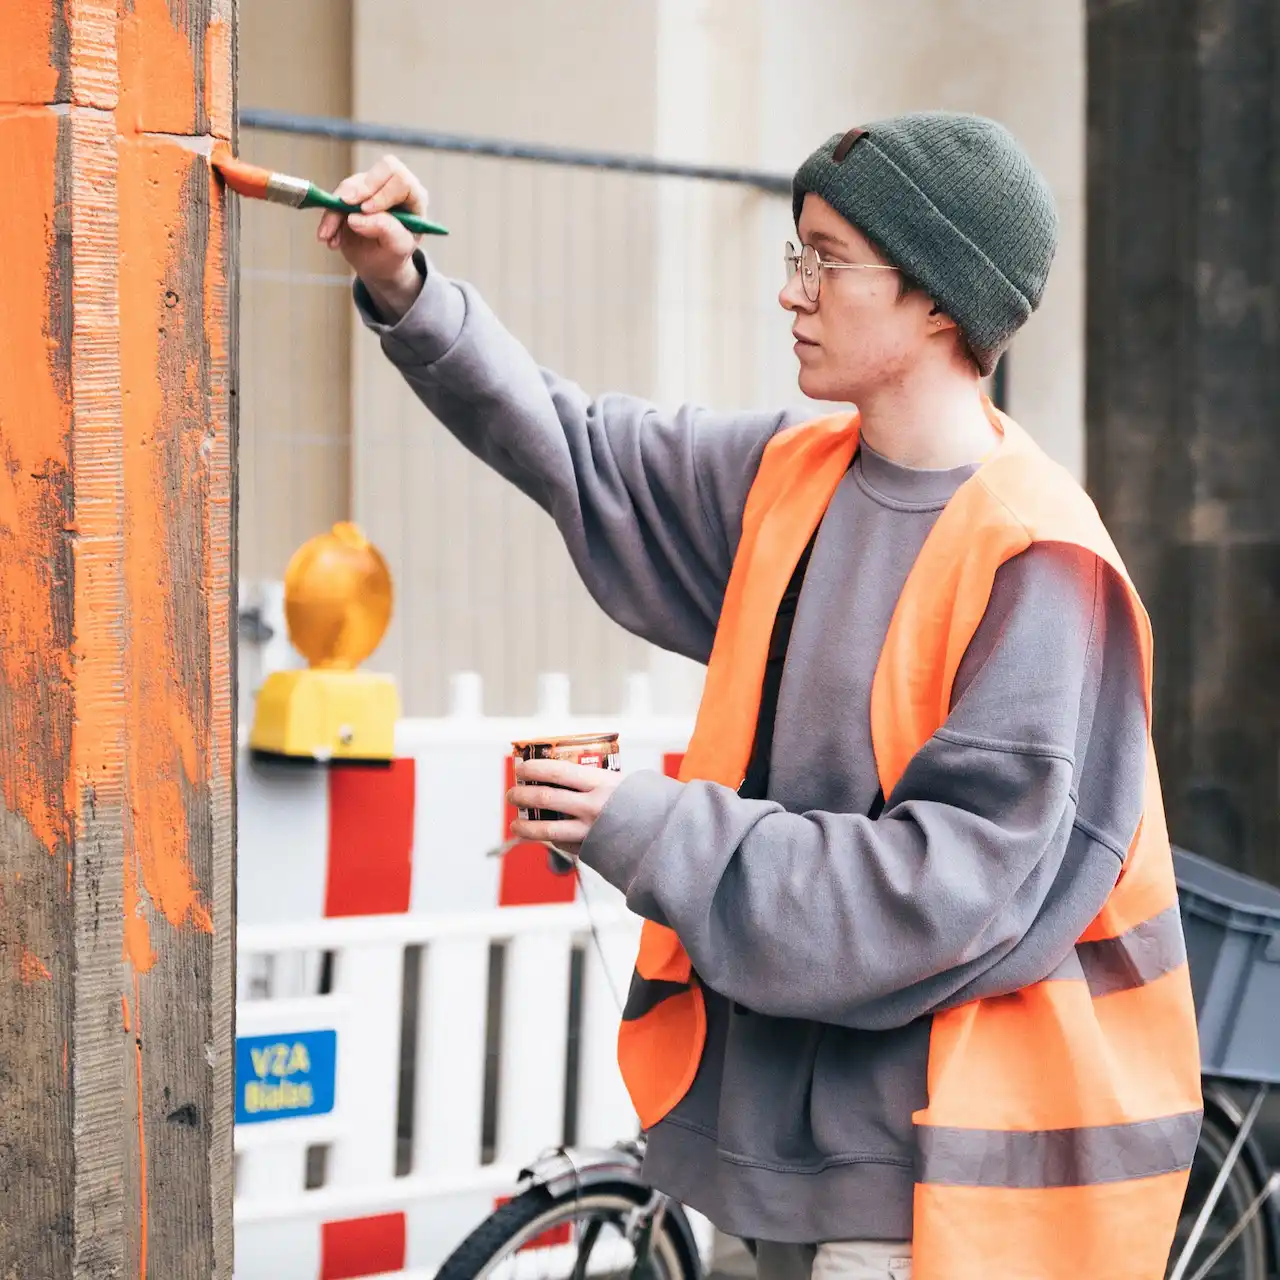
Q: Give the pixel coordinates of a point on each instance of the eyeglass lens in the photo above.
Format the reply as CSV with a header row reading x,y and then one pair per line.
x,y
805,260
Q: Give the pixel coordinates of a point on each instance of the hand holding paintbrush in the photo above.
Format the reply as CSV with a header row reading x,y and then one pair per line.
x,y
257,183
375,242
373,218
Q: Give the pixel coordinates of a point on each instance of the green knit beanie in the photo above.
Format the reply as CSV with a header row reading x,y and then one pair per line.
x,y
956,203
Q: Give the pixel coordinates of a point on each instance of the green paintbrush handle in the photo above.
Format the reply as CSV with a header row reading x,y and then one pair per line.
x,y
319,199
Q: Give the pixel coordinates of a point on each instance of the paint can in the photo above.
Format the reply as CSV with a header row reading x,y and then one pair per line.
x,y
591,749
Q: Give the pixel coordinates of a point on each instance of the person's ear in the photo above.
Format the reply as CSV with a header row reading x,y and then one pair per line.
x,y
939,321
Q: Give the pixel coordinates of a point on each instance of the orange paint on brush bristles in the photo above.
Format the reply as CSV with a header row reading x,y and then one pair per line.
x,y
244,179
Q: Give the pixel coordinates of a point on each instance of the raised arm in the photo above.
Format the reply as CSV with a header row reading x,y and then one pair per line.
x,y
649,504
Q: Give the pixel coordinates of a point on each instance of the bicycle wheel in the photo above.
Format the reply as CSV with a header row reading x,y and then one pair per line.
x,y
537,1236
1246,1258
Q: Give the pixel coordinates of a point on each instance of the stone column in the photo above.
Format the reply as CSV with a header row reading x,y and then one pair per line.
x,y
1183,391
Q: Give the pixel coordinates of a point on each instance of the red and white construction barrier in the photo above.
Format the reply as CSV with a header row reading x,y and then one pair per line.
x,y
361,863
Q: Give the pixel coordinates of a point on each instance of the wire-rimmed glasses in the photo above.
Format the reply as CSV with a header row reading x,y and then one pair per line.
x,y
810,264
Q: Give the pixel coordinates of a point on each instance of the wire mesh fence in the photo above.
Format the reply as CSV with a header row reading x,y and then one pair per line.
x,y
622,280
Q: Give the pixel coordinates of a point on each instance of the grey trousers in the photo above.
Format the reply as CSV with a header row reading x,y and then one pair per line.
x,y
838,1260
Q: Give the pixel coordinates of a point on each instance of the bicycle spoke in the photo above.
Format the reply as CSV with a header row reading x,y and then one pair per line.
x,y
588,1242
1273,1185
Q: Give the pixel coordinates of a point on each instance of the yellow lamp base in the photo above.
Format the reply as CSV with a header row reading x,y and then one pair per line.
x,y
326,715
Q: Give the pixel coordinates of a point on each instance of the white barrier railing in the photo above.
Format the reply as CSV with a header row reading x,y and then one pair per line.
x,y
396,1067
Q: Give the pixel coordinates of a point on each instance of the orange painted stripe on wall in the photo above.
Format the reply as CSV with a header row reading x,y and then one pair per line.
x,y
35,480
27,73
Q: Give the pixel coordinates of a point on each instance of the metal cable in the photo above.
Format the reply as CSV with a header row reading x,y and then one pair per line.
x,y
272,121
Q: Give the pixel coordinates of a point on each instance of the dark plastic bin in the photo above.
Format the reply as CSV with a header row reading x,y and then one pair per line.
x,y
1232,926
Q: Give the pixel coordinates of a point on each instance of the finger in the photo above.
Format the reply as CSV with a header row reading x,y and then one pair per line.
x,y
577,804
560,773
350,189
330,226
417,199
359,186
397,190
383,229
560,834
402,189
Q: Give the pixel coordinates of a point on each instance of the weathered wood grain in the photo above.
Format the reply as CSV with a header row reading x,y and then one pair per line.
x,y
117,516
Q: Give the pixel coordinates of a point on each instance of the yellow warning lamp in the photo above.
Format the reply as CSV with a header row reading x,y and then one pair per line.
x,y
337,604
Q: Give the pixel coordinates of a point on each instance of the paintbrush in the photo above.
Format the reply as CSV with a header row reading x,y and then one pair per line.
x,y
261,184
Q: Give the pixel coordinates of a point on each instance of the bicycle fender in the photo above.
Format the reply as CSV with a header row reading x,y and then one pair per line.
x,y
565,1169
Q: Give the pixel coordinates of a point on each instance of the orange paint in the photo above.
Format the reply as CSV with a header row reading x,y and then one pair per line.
x,y
35,423
137,932
27,73
166,721
157,73
217,78
31,968
110,575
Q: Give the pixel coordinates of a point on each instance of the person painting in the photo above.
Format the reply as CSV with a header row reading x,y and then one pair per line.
x,y
911,997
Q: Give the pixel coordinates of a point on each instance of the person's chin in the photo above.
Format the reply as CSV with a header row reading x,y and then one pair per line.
x,y
814,384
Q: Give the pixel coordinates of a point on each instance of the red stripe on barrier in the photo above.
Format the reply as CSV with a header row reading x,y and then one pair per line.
x,y
527,878
370,839
671,762
358,1247
563,1234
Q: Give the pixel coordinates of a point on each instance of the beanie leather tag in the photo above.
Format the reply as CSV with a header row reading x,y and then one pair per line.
x,y
846,144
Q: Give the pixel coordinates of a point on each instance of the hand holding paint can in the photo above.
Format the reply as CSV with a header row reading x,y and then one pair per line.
x,y
598,750
590,750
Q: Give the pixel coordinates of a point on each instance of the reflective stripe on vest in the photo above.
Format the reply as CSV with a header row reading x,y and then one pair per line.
x,y
1062,1119
1139,955
1057,1157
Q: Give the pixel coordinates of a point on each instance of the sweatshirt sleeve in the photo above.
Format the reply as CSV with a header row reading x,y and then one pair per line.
x,y
997,848
649,504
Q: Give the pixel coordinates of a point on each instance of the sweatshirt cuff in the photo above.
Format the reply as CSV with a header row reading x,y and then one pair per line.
x,y
431,325
628,825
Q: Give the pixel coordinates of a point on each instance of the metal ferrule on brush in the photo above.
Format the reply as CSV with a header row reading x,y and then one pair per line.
x,y
282,189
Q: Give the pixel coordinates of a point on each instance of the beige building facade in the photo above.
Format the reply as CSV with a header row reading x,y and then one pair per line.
x,y
662,287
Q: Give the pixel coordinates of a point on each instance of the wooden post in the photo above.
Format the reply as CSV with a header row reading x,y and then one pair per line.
x,y
117,518
1183,397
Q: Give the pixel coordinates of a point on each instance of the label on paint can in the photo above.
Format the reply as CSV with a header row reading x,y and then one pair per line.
x,y
593,750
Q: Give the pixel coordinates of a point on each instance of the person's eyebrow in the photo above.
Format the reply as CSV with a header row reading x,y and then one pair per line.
x,y
821,239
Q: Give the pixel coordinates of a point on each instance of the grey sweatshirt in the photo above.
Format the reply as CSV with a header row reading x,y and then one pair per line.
x,y
824,940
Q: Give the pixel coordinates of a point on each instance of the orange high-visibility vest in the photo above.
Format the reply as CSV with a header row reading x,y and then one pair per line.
x,y
1061,1120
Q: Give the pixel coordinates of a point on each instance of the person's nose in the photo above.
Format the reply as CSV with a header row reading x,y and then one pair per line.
x,y
792,297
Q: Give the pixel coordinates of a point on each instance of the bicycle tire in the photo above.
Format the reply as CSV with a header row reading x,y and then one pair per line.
x,y
1247,1258
536,1210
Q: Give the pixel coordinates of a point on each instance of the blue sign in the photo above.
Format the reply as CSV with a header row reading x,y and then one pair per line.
x,y
282,1077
